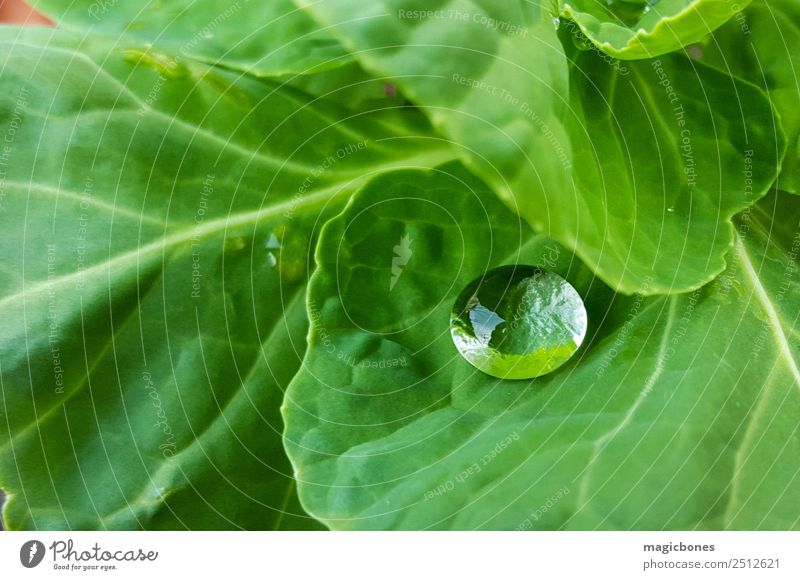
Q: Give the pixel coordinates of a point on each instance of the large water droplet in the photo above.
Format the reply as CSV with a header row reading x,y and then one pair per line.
x,y
518,322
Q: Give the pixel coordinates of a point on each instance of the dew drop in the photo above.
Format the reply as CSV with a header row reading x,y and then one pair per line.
x,y
671,209
272,243
518,322
556,22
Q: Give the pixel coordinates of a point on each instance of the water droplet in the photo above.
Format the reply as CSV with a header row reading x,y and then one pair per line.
x,y
671,209
272,243
235,244
556,22
518,322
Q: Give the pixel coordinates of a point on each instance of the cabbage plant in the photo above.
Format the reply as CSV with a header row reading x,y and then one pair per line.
x,y
233,234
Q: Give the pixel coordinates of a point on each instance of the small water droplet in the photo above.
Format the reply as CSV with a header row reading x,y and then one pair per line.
x,y
272,243
556,22
671,209
518,322
235,244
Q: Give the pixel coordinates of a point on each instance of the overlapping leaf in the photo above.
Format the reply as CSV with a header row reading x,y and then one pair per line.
x,y
637,167
263,38
157,219
631,29
680,412
762,45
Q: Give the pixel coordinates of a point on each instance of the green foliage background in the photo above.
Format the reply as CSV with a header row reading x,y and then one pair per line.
x,y
201,201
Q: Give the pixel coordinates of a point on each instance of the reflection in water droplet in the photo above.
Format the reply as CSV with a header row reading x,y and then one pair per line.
x,y
518,322
556,22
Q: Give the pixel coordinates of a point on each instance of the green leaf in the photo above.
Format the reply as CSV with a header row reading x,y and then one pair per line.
x,y
631,29
156,234
680,412
762,45
262,38
666,152
587,149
